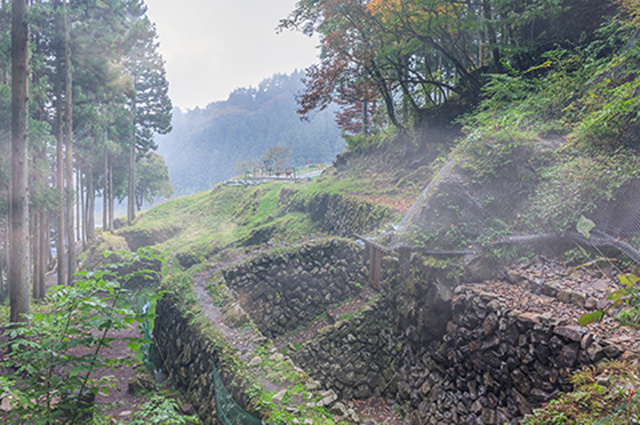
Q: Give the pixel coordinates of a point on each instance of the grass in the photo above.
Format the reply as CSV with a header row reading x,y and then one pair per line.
x,y
599,397
212,220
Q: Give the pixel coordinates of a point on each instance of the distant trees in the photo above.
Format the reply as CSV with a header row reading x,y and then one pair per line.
x,y
276,157
152,179
97,91
207,144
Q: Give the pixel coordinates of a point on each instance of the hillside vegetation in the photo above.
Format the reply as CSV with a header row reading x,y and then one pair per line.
x,y
206,143
543,147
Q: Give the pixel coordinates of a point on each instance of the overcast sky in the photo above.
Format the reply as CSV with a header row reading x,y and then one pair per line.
x,y
212,47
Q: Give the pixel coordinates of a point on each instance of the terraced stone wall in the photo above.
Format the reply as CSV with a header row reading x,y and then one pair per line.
x,y
355,358
475,361
187,354
336,214
361,357
282,291
495,364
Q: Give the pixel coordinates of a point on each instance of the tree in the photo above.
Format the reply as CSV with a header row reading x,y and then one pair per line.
x,y
59,134
68,147
19,257
276,157
152,179
150,104
415,56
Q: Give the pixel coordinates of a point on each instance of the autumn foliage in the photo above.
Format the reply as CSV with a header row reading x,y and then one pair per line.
x,y
393,62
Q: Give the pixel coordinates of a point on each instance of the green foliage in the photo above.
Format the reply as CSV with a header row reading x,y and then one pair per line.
x,y
502,90
358,143
152,179
578,181
55,356
161,411
626,298
599,397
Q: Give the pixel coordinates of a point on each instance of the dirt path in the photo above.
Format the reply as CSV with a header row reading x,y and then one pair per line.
x,y
120,404
247,339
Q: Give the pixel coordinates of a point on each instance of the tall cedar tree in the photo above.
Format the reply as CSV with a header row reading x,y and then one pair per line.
x,y
150,104
19,248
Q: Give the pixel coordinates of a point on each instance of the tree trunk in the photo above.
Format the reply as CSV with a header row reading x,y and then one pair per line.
x,y
68,122
78,204
82,206
44,249
90,207
110,193
105,192
59,127
131,211
19,273
35,219
491,33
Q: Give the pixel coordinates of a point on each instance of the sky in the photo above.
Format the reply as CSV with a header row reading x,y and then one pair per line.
x,y
212,47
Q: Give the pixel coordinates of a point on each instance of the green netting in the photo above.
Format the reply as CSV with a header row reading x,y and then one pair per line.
x,y
628,414
229,412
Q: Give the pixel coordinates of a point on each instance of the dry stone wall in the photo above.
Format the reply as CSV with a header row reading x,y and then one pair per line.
x,y
282,291
336,214
356,357
495,364
488,364
447,356
188,355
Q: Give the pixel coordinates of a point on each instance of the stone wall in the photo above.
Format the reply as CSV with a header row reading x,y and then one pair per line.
x,y
188,355
282,291
356,357
473,362
360,358
337,214
495,364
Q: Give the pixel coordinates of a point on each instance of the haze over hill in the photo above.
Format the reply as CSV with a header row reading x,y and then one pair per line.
x,y
205,144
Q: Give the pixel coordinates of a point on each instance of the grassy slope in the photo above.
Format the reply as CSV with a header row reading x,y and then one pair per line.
x,y
203,224
572,119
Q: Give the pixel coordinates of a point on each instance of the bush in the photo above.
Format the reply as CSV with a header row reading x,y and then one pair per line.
x,y
53,359
162,411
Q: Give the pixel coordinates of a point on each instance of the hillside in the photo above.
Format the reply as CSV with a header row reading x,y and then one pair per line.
x,y
206,144
493,240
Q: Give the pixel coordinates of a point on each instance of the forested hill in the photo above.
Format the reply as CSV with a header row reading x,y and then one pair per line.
x,y
206,144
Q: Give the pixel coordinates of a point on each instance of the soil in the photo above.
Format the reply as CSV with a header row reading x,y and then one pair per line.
x,y
119,402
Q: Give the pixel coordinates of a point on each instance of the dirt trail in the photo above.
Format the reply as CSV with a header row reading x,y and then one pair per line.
x,y
121,403
247,339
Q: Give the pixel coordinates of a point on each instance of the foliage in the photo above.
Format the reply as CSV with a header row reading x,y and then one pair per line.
x,y
598,397
162,411
54,359
626,299
412,56
152,180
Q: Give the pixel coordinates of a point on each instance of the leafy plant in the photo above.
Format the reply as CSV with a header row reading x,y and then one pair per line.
x,y
600,397
626,297
53,359
162,411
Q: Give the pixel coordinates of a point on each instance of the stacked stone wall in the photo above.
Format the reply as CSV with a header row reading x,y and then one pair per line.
x,y
487,365
283,291
336,214
188,355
